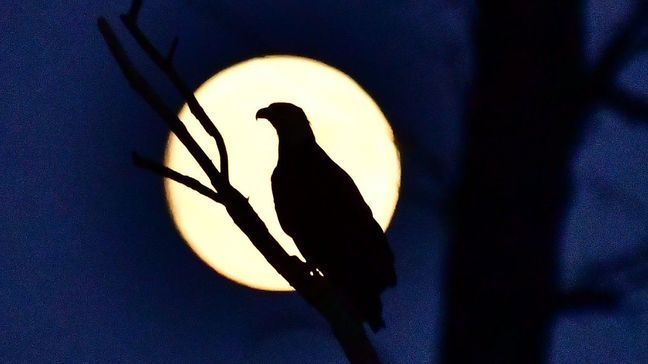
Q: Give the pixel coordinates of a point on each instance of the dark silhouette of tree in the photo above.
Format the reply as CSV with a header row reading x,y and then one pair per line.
x,y
530,98
315,289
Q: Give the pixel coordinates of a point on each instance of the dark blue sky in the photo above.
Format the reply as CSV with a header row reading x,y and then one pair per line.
x,y
91,268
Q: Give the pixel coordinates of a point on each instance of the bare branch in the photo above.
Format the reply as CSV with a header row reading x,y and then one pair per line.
x,y
348,330
172,49
152,98
631,269
167,68
169,173
620,49
135,8
632,106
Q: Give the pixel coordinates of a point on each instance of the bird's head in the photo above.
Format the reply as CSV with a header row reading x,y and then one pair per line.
x,y
289,120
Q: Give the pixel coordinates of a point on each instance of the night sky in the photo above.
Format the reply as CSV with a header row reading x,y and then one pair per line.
x,y
93,270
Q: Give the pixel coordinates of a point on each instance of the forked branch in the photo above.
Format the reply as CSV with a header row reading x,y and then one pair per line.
x,y
143,87
169,173
166,66
315,290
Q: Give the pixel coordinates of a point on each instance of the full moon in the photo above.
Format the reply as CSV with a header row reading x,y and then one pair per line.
x,y
347,124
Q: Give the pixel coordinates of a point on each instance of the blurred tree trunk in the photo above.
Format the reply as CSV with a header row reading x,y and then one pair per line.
x,y
523,118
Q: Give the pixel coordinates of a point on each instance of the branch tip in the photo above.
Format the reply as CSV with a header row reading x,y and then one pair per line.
x,y
194,106
172,49
176,176
134,10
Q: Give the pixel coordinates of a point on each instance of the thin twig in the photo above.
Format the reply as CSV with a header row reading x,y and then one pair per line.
x,y
172,49
135,8
146,91
236,204
169,173
166,66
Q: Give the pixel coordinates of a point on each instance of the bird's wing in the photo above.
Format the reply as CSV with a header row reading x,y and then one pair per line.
x,y
358,237
320,207
287,195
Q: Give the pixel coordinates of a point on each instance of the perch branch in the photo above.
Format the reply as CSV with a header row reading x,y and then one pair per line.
x,y
169,173
153,99
135,8
315,290
241,212
166,66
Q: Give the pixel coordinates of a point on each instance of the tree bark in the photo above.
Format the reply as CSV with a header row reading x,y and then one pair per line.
x,y
531,96
524,115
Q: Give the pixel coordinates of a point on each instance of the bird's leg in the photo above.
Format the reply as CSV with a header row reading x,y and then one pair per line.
x,y
308,279
296,268
307,269
313,270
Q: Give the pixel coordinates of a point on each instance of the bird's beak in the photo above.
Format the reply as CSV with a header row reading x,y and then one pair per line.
x,y
263,114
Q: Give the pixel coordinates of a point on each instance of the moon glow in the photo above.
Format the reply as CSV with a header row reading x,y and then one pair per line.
x,y
347,124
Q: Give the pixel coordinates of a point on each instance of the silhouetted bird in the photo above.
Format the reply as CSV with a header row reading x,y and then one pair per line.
x,y
321,208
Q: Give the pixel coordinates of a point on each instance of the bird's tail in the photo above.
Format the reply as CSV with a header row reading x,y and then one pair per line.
x,y
372,311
